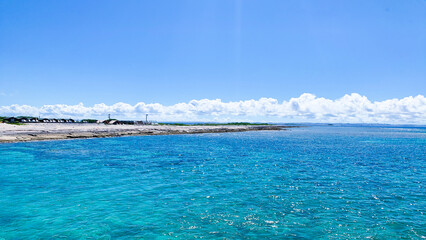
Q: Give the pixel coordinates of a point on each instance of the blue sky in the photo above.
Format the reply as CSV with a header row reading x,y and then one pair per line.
x,y
67,52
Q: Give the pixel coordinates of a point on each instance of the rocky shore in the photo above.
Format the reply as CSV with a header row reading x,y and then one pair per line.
x,y
57,131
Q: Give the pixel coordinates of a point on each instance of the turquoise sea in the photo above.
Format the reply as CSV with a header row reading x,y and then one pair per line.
x,y
317,182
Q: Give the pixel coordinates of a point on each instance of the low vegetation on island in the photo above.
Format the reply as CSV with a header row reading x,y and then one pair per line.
x,y
216,124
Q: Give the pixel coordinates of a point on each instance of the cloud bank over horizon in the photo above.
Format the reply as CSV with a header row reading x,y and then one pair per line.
x,y
351,108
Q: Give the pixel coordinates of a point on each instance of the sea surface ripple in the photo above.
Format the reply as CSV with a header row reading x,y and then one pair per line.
x,y
320,182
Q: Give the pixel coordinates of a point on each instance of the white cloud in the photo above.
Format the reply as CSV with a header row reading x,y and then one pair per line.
x,y
352,108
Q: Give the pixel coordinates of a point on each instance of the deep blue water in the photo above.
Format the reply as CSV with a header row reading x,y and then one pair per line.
x,y
321,182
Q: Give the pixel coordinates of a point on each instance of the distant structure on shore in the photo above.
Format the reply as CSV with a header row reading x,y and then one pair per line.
x,y
26,119
22,119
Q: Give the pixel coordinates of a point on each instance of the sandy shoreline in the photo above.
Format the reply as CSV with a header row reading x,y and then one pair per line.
x,y
57,131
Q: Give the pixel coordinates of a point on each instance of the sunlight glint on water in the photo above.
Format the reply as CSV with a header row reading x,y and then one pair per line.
x,y
312,183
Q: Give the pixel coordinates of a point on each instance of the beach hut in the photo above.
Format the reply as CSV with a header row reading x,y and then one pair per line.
x,y
11,120
112,122
33,120
23,120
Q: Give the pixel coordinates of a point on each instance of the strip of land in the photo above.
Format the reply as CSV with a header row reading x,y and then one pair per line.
x,y
57,131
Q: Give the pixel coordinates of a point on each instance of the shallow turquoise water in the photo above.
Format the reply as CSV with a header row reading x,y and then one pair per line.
x,y
307,183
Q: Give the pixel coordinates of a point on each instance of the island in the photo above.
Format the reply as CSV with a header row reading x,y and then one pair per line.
x,y
56,131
